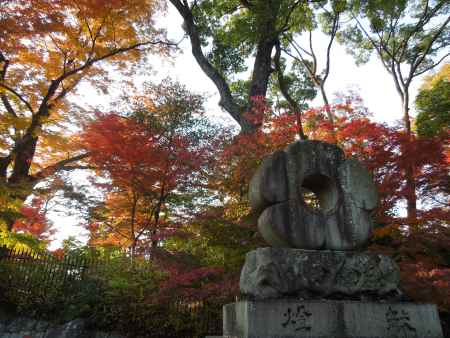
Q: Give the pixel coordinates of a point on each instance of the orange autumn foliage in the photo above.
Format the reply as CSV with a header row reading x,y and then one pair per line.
x,y
47,47
145,166
34,221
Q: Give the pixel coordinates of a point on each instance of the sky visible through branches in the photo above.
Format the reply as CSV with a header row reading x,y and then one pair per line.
x,y
370,81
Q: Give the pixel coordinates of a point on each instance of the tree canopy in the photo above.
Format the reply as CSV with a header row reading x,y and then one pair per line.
x,y
156,158
46,49
230,37
410,37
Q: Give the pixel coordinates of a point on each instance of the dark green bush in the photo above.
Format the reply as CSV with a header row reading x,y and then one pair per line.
x,y
115,294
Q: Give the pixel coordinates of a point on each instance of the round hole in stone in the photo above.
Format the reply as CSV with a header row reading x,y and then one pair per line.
x,y
311,199
319,192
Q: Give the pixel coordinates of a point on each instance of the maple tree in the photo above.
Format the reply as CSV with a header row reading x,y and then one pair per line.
x,y
34,220
154,159
47,47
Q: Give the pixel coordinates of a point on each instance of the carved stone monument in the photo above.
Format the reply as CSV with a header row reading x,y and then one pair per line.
x,y
315,280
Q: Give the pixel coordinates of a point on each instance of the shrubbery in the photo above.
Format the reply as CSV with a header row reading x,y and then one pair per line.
x,y
116,293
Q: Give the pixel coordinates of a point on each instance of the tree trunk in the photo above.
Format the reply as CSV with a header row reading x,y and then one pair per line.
x,y
406,118
266,13
23,158
328,111
133,249
262,70
411,196
132,226
17,194
285,92
326,103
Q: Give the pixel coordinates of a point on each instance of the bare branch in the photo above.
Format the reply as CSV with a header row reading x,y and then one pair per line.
x,y
427,49
297,47
61,165
284,90
56,82
423,20
330,43
432,66
374,45
19,96
4,98
7,105
312,54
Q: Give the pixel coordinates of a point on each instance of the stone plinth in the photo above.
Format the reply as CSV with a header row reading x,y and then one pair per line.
x,y
282,272
330,319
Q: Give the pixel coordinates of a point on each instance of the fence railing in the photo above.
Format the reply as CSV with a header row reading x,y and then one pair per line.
x,y
41,269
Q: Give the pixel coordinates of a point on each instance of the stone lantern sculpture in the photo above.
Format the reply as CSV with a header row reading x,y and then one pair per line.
x,y
315,279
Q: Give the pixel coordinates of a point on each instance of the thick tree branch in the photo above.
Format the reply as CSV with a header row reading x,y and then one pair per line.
x,y
426,16
25,148
285,91
432,66
3,97
226,98
7,105
330,43
61,165
4,164
313,55
428,48
397,82
19,96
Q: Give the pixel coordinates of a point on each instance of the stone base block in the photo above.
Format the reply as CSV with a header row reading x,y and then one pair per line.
x,y
273,273
330,319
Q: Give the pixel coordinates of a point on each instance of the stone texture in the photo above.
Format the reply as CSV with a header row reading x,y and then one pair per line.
x,y
344,188
26,327
330,319
282,272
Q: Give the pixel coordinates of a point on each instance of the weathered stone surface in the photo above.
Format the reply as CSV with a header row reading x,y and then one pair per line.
x,y
330,319
282,272
344,188
20,327
73,329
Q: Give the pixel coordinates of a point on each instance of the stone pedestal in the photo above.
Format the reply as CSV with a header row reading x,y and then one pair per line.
x,y
330,319
270,273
